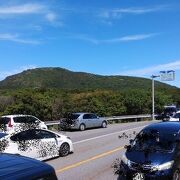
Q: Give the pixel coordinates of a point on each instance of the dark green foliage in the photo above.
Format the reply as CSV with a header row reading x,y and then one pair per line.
x,y
51,93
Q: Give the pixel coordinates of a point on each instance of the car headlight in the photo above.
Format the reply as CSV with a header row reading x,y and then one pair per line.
x,y
125,160
165,166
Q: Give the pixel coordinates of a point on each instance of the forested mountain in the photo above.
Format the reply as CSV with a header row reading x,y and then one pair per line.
x,y
51,93
65,79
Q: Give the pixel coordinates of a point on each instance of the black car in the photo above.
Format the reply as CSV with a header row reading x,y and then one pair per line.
x,y
16,167
168,112
153,154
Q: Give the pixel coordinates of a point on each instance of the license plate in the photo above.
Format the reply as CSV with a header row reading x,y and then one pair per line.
x,y
138,176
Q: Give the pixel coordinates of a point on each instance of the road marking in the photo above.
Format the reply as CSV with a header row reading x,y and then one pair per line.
x,y
88,160
85,140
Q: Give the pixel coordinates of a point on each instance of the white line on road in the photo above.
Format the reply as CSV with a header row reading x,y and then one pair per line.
x,y
98,137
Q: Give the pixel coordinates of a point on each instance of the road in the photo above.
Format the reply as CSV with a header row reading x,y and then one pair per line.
x,y
95,150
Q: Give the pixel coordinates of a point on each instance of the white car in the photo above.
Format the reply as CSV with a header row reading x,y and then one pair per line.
x,y
175,117
16,123
36,143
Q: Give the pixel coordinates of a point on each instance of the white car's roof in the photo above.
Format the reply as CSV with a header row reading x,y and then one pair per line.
x,y
16,115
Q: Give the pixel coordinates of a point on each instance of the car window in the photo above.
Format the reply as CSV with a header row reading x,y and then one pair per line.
x,y
22,136
26,135
93,116
4,120
46,134
86,116
177,115
31,119
21,119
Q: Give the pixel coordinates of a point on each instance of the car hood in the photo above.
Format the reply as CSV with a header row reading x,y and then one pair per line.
x,y
154,158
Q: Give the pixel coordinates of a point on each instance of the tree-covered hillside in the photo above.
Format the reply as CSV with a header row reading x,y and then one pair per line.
x,y
65,79
51,93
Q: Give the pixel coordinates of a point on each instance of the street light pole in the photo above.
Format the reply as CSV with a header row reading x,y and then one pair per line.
x,y
152,98
153,76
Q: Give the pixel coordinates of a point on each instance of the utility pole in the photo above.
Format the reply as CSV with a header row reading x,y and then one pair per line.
x,y
153,76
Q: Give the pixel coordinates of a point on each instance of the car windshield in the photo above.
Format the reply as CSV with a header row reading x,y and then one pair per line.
x,y
155,140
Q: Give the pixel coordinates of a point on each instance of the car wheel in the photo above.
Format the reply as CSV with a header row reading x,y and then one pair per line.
x,y
176,174
64,149
82,127
104,124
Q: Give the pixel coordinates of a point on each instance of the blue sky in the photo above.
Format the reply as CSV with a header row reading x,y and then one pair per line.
x,y
107,37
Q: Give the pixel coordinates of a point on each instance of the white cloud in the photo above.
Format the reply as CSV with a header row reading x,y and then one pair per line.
x,y
4,74
112,14
136,37
83,37
139,10
153,69
21,9
51,17
16,38
28,9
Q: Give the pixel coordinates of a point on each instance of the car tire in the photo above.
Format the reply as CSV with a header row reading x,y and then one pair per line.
x,y
176,174
64,149
82,127
104,124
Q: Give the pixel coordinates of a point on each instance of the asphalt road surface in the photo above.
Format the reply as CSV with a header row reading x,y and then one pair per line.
x,y
95,151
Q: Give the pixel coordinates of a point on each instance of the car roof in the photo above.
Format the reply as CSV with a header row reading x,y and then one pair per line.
x,y
80,113
170,127
20,167
17,115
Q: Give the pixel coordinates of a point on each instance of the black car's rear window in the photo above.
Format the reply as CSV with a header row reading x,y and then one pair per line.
x,y
4,120
2,135
170,110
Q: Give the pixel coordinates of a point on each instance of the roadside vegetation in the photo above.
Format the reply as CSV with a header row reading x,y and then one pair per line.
x,y
51,93
53,104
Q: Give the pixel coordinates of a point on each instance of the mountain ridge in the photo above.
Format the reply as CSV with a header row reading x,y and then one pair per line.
x,y
56,77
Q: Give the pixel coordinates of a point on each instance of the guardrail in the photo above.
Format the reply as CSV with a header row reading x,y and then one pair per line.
x,y
113,118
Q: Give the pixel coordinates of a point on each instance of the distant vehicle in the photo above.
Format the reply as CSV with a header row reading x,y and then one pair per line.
x,y
82,121
17,123
176,117
154,153
20,167
168,112
36,143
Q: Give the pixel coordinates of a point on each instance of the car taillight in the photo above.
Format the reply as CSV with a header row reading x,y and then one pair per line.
x,y
9,123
